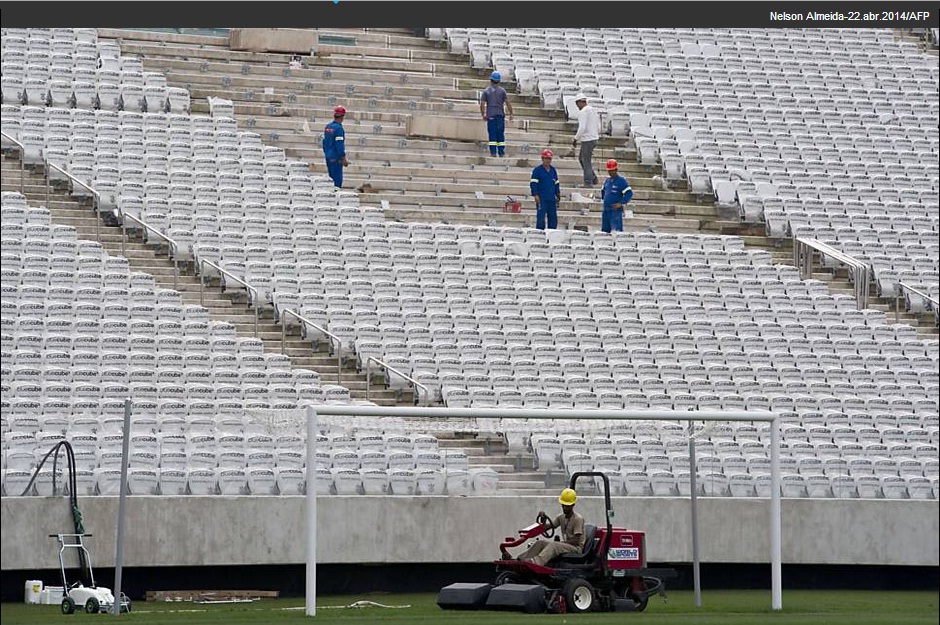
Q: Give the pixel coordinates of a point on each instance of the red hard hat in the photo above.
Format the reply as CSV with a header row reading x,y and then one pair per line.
x,y
339,111
547,154
611,164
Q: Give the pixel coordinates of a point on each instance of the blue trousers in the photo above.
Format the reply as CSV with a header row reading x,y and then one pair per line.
x,y
612,219
496,128
546,211
335,169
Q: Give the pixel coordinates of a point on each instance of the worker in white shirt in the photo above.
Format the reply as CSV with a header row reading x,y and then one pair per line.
x,y
589,130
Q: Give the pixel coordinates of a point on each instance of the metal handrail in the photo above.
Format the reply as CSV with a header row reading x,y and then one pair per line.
x,y
903,286
48,164
333,339
73,179
803,257
23,152
252,291
391,369
173,245
97,202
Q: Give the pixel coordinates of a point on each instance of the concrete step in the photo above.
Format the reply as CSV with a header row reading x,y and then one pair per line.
x,y
567,220
383,151
492,463
246,95
287,114
358,48
471,447
522,487
276,81
375,36
494,198
489,173
495,208
204,66
361,93
498,191
333,42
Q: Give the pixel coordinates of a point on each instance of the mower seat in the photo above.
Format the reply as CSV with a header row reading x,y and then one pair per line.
x,y
587,553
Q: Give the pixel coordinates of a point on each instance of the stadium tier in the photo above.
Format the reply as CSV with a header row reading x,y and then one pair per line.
x,y
476,314
829,135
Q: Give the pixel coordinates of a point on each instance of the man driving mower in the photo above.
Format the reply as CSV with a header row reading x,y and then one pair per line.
x,y
572,532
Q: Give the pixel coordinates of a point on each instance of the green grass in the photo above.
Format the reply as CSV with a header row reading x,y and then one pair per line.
x,y
718,608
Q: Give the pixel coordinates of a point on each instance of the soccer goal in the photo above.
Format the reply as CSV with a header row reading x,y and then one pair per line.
x,y
475,418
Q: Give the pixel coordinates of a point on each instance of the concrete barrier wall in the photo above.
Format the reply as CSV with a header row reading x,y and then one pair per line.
x,y
453,128
287,40
167,531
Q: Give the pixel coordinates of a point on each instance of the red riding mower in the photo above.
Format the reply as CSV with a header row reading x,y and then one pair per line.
x,y
609,574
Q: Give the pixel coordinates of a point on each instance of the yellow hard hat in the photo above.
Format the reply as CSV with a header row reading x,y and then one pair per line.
x,y
568,497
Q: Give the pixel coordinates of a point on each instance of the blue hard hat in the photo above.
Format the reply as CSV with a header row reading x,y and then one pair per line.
x,y
495,77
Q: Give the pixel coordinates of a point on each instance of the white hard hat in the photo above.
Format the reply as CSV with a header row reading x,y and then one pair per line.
x,y
580,96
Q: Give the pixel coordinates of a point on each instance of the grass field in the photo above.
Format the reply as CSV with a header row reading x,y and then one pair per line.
x,y
718,608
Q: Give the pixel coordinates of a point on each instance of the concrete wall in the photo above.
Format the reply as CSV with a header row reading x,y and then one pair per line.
x,y
453,128
180,531
286,40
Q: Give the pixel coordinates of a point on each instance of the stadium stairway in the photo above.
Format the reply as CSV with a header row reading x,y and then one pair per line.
x,y
484,450
919,36
383,77
837,279
230,306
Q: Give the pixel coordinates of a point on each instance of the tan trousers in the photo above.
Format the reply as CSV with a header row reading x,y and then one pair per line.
x,y
543,551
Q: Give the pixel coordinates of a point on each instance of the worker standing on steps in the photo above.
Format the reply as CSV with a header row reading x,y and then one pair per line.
x,y
547,193
334,147
494,103
617,192
589,129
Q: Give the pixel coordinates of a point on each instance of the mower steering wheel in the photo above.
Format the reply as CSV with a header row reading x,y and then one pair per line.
x,y
541,519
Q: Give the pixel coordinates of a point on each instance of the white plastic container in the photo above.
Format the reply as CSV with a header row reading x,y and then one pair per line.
x,y
52,595
33,591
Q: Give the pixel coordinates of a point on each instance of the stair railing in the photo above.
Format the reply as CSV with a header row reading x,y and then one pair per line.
x,y
22,149
390,369
335,340
252,291
861,272
934,306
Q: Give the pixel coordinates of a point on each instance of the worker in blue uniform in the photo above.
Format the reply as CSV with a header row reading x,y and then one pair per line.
x,y
547,193
334,147
494,104
616,194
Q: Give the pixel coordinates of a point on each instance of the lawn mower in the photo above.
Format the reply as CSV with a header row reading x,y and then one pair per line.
x,y
608,575
91,598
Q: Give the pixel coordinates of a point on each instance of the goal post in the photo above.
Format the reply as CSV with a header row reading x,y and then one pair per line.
x,y
445,414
